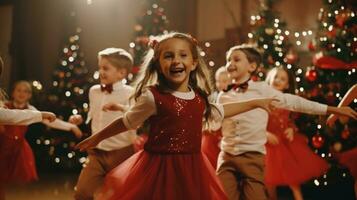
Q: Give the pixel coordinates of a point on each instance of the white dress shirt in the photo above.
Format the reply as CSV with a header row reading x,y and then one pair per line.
x,y
250,132
100,119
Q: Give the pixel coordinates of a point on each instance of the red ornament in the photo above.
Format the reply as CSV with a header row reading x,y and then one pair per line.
x,y
332,33
341,19
345,133
318,141
254,78
311,46
311,75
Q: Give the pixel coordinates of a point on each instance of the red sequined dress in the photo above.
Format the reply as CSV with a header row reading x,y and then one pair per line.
x,y
290,163
17,163
171,166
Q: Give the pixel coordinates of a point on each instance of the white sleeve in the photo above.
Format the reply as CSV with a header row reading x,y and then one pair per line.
x,y
90,97
294,102
143,108
19,117
57,124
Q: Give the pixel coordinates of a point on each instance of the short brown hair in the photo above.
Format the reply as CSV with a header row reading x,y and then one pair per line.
x,y
119,58
252,53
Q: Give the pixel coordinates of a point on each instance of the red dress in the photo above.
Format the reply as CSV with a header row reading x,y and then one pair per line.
x,y
349,160
210,145
290,163
17,163
171,166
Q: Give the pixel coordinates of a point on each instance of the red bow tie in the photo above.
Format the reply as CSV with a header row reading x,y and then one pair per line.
x,y
238,87
108,88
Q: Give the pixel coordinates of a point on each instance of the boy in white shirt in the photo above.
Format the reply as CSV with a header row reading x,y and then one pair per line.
x,y
107,102
241,161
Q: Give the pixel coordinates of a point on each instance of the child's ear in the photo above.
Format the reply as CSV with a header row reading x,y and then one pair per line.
x,y
252,67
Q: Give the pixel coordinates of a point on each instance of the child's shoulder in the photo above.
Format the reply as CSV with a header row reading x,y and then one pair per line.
x,y
128,88
94,88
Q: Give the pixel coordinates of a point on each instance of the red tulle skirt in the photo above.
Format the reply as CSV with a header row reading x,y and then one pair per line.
x,y
349,159
17,163
292,163
210,146
147,176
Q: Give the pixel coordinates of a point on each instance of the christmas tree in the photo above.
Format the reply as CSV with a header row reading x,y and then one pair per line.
x,y
151,22
270,34
68,95
333,73
325,82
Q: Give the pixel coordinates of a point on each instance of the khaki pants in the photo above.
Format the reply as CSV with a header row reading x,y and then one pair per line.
x,y
242,176
98,164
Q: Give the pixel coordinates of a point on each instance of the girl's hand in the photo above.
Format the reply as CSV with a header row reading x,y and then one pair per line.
x,y
75,119
48,116
272,139
113,107
289,134
266,104
88,143
77,132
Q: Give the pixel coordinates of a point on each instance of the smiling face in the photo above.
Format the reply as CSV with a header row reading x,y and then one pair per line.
x,y
22,93
176,63
280,80
238,66
108,73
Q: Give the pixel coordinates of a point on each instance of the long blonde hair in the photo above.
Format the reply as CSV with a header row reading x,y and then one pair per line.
x,y
200,78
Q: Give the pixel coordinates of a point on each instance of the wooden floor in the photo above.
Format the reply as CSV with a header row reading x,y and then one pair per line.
x,y
61,187
49,187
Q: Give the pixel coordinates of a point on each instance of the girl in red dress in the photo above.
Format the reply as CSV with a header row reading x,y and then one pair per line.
x,y
172,99
17,163
289,160
348,158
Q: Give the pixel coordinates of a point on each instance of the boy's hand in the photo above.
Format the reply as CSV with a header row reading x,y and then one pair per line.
x,y
113,107
88,143
75,119
344,111
48,116
77,132
272,139
289,134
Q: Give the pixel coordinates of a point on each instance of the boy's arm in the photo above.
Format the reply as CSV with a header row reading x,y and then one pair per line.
x,y
294,102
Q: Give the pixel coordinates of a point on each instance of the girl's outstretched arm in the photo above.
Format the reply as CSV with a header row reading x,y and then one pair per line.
x,y
231,109
112,129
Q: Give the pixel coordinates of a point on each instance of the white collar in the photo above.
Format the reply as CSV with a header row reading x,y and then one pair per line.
x,y
117,85
183,95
